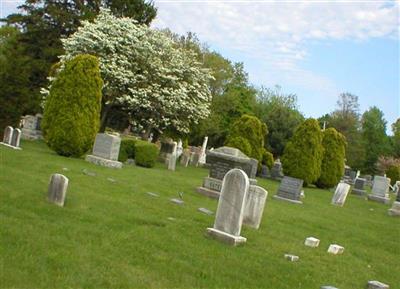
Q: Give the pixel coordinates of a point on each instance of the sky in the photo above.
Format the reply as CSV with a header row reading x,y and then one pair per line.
x,y
315,49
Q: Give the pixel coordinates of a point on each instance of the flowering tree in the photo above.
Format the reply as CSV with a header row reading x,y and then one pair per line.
x,y
145,72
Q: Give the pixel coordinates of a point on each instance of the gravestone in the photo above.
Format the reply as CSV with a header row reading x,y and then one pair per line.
x,y
8,133
377,285
254,207
222,160
31,127
172,158
380,190
276,171
202,156
57,189
340,195
359,187
335,249
368,179
165,151
16,137
230,210
185,157
290,190
265,173
105,151
179,149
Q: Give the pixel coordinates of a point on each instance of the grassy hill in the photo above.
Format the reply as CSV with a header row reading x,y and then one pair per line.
x,y
114,235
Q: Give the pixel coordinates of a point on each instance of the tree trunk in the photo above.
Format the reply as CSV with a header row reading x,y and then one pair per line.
x,y
104,114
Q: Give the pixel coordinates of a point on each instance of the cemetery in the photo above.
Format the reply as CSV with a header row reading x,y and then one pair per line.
x,y
137,154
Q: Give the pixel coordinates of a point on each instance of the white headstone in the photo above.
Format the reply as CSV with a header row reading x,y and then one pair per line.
x,y
172,158
377,285
335,249
179,149
202,157
16,137
8,132
254,208
231,205
380,190
311,242
57,189
340,194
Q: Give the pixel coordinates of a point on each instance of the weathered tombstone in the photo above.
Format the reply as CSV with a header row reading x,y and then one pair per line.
x,y
335,249
16,138
185,157
254,208
231,206
380,190
340,195
179,149
165,151
222,160
172,158
312,242
359,187
368,178
276,171
8,133
31,127
328,287
57,189
106,151
291,258
264,172
202,156
377,285
290,190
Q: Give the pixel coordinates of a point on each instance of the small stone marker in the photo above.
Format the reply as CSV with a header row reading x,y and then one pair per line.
x,y
254,207
291,258
57,189
65,169
335,249
380,190
177,201
231,204
172,158
202,156
206,211
395,209
8,132
359,187
16,137
290,190
153,194
312,242
111,180
88,173
340,195
105,151
276,171
377,285
328,287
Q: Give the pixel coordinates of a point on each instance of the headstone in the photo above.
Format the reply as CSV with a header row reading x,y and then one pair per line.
x,y
206,211
335,249
153,194
265,173
290,190
311,242
31,127
185,158
254,208
395,209
276,171
8,133
368,178
165,151
380,190
106,151
222,160
291,258
179,149
359,187
328,287
377,285
172,158
231,206
177,201
57,189
340,195
202,156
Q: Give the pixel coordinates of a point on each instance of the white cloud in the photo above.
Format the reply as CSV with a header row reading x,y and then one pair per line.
x,y
277,33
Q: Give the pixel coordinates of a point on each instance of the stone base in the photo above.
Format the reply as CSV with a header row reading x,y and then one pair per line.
x,y
208,192
288,200
225,237
10,146
358,192
380,199
395,210
103,162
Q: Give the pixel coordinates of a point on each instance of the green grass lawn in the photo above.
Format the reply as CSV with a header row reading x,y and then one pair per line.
x,y
114,235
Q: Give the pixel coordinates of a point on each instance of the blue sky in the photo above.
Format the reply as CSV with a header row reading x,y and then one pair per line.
x,y
315,49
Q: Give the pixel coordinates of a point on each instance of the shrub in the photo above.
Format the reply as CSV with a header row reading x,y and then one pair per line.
x,y
384,163
332,166
240,143
253,130
127,150
72,110
302,155
393,172
145,154
267,158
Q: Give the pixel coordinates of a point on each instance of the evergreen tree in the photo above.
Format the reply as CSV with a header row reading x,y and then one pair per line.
x,y
72,109
303,154
396,138
332,166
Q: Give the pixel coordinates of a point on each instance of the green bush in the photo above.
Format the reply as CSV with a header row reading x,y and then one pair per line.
x,y
145,154
267,159
127,150
253,130
393,172
302,155
240,143
71,115
332,166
